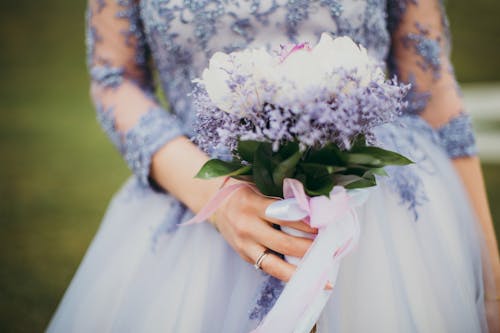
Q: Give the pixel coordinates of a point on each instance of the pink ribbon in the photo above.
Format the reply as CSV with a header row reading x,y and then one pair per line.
x,y
321,209
304,297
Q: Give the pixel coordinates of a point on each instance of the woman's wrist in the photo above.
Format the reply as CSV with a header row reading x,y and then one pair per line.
x,y
174,167
226,181
213,218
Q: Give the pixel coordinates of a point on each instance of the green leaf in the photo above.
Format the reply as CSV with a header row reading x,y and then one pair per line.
x,y
329,155
344,180
359,141
364,159
319,186
376,171
363,183
288,149
354,181
244,170
317,168
301,177
367,181
216,168
263,171
376,156
246,178
319,178
246,149
312,169
360,170
315,174
286,168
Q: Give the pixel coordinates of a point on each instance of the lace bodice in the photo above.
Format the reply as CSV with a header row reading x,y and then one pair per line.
x,y
129,41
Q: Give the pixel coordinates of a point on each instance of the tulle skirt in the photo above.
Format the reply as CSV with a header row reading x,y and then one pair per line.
x,y
417,267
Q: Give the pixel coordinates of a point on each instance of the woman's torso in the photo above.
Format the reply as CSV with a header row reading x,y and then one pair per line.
x,y
182,35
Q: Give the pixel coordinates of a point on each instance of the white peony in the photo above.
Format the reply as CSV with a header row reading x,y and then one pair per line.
x,y
254,65
343,53
259,67
215,79
293,76
300,74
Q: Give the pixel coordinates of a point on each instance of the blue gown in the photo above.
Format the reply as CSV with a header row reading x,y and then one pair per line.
x,y
418,265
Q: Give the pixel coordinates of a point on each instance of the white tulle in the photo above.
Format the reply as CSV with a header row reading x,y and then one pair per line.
x,y
303,299
404,276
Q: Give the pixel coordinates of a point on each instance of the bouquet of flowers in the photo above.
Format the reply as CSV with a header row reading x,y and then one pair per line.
x,y
306,113
299,125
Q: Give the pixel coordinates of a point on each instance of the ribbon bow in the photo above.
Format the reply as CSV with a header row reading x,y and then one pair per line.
x,y
304,297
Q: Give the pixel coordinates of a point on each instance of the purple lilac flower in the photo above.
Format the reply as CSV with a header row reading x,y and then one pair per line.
x,y
320,117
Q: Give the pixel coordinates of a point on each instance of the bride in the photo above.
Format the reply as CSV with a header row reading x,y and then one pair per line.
x,y
427,259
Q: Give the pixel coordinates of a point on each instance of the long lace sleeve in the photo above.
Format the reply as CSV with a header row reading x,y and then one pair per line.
x,y
420,55
121,85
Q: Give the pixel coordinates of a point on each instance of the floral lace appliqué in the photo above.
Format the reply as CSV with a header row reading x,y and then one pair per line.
x,y
271,290
153,130
457,137
427,48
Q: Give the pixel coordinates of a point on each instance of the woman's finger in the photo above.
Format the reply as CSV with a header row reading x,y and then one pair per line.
x,y
299,225
264,202
277,267
274,265
279,241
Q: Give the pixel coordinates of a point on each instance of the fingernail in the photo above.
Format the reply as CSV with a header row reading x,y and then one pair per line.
x,y
328,286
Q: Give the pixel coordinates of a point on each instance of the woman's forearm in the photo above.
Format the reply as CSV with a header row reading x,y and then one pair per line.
x,y
469,170
174,167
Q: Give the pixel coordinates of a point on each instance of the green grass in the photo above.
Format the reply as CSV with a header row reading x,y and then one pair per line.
x,y
476,39
492,178
58,173
58,170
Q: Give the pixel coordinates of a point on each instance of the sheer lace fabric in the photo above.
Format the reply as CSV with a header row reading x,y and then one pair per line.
x,y
122,87
411,36
420,55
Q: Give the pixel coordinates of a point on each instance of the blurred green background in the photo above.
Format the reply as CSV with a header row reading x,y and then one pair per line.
x,y
58,170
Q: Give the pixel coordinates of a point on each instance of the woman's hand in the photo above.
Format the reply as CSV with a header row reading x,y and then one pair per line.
x,y
240,219
242,222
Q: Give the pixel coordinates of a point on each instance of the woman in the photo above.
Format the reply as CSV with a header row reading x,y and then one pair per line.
x,y
143,274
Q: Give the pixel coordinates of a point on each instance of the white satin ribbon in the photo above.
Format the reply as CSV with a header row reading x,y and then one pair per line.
x,y
304,296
